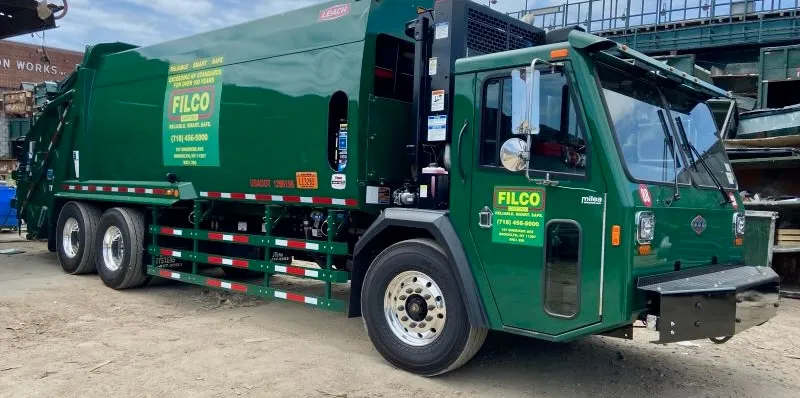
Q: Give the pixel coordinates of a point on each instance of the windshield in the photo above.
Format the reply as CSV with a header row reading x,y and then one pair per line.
x,y
701,130
636,108
645,145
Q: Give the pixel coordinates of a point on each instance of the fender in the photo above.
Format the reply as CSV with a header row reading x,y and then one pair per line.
x,y
438,225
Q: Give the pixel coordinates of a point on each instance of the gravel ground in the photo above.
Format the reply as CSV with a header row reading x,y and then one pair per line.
x,y
71,336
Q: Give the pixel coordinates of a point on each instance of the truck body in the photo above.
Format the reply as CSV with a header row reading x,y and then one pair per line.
x,y
463,171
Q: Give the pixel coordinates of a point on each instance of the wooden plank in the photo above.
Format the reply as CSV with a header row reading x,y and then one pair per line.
x,y
788,239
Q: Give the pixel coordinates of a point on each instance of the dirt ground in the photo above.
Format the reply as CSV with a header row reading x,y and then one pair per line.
x,y
68,336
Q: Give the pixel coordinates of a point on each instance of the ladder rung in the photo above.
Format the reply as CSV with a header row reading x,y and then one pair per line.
x,y
248,289
324,247
254,265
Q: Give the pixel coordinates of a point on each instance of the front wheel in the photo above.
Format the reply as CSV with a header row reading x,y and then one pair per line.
x,y
413,310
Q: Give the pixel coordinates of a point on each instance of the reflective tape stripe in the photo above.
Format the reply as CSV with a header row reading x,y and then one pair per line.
x,y
171,253
169,274
171,231
296,298
237,287
109,188
280,198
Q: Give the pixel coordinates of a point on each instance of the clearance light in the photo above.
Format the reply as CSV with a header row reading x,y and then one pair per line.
x,y
738,241
645,227
616,232
645,250
738,225
562,53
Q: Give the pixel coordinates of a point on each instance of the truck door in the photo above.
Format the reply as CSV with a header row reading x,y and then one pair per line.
x,y
540,244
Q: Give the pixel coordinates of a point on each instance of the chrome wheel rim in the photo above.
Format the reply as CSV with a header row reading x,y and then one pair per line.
x,y
69,237
113,248
414,308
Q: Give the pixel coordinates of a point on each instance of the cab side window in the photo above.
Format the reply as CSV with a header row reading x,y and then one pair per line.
x,y
560,146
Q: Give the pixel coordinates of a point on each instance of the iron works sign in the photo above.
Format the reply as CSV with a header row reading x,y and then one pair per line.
x,y
190,134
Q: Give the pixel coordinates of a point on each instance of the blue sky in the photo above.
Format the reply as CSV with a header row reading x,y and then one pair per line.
x,y
146,22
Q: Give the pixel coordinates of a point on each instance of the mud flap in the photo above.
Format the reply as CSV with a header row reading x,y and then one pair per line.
x,y
710,302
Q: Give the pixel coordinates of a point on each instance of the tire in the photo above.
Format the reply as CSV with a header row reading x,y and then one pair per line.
x,y
76,252
438,351
121,269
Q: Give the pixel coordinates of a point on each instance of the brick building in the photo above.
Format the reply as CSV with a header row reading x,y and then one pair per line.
x,y
23,63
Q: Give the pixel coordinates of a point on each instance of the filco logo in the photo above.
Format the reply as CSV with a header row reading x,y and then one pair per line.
x,y
591,200
334,12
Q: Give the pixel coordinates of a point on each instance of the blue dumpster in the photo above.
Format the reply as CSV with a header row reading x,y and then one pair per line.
x,y
8,215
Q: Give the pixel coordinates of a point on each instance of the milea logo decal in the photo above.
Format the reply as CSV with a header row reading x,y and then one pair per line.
x,y
591,200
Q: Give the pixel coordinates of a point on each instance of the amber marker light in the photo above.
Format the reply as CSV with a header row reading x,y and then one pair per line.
x,y
561,53
616,232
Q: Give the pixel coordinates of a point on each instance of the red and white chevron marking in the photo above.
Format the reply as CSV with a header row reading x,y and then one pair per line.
x,y
236,287
296,244
279,198
114,189
228,261
297,271
298,298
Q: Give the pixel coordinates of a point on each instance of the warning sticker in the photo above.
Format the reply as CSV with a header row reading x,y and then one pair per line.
x,y
518,216
433,65
442,30
307,180
437,100
437,128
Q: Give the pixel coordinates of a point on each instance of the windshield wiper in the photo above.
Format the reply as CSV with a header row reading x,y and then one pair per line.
x,y
676,193
694,152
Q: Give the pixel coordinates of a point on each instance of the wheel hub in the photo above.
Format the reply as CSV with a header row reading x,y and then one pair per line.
x,y
113,248
70,240
414,307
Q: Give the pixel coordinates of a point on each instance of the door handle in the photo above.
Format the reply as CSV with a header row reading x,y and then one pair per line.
x,y
485,217
460,141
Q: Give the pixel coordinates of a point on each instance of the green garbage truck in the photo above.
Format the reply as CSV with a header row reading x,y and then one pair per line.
x,y
455,170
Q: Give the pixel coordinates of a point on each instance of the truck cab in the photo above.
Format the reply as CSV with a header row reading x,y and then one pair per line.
x,y
595,190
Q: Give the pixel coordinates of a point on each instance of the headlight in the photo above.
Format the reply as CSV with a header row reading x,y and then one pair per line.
x,y
738,225
645,227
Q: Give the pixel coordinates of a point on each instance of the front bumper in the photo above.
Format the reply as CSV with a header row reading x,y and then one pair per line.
x,y
709,302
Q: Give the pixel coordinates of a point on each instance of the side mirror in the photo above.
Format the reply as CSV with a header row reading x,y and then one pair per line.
x,y
525,101
514,155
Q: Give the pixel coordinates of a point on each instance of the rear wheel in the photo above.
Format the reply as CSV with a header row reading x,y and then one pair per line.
x,y
413,310
74,238
120,250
